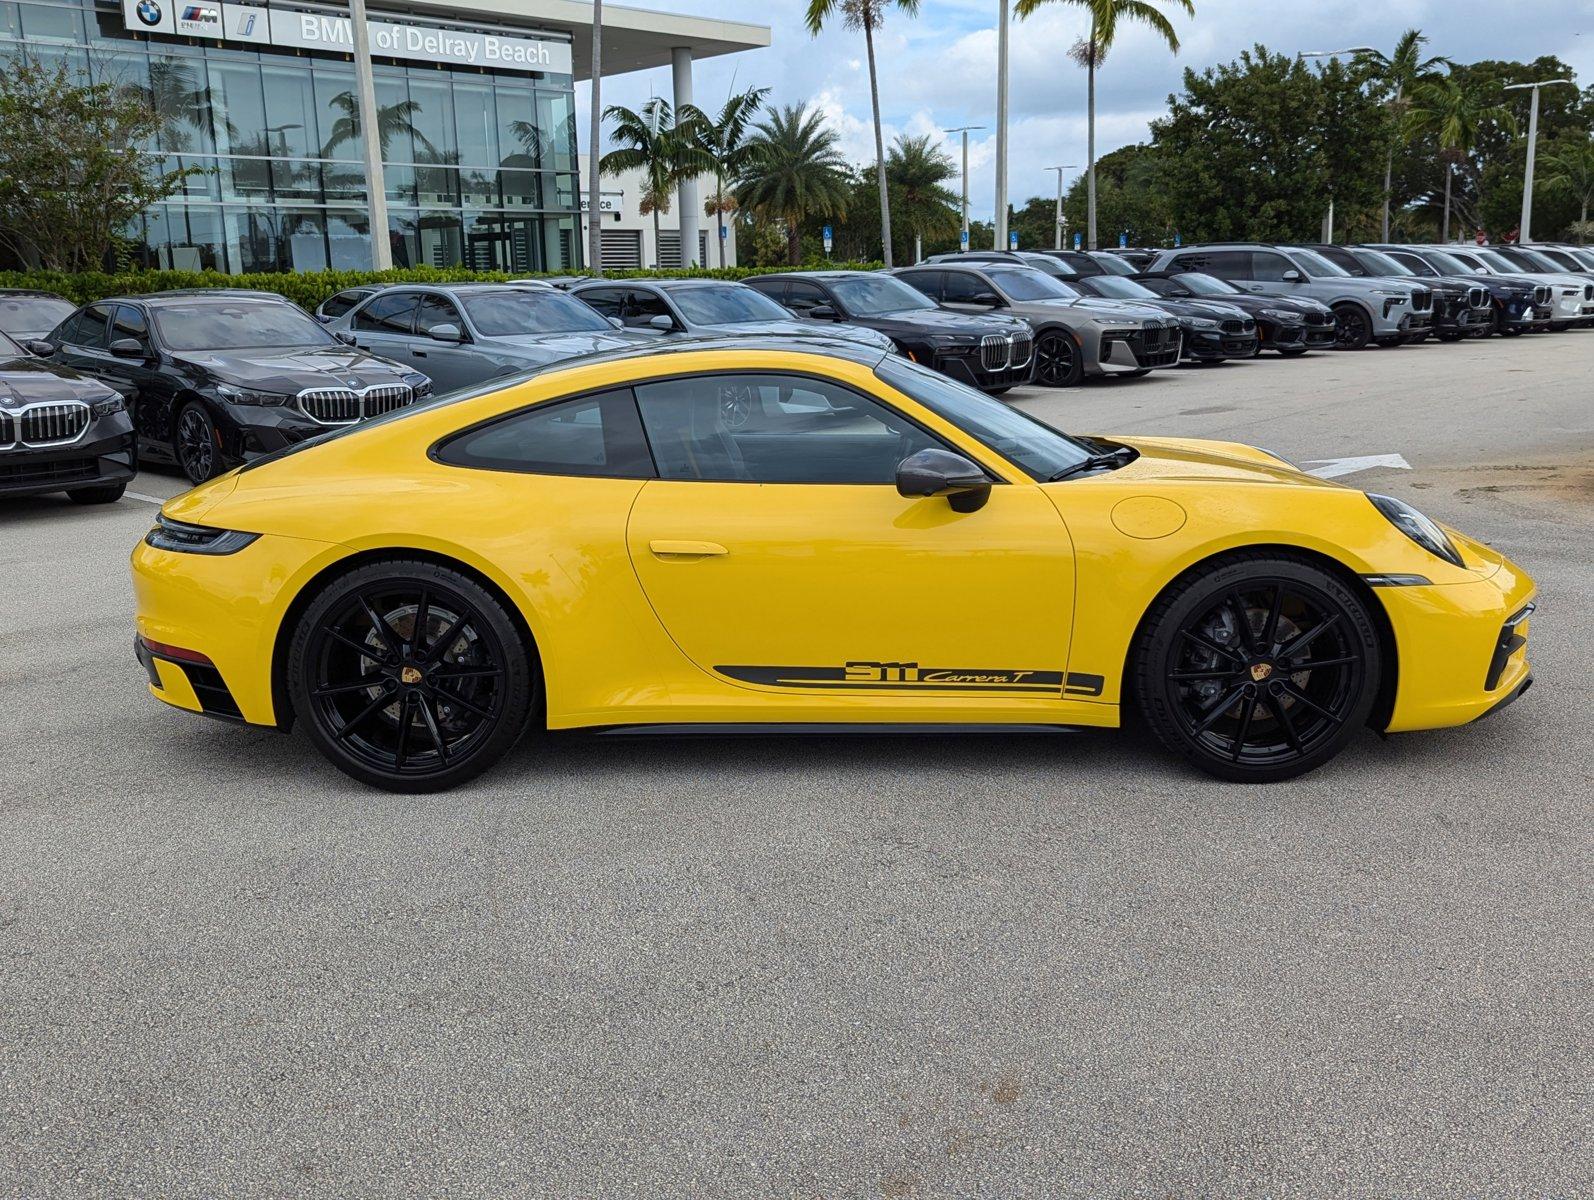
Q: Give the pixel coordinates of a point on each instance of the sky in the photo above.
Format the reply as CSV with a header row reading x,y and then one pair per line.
x,y
938,70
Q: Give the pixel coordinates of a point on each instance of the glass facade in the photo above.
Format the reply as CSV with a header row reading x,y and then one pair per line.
x,y
479,166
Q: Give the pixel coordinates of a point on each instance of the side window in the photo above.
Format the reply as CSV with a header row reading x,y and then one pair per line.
x,y
1343,258
336,306
435,310
642,307
1416,265
390,312
1195,262
92,329
928,282
1269,267
803,297
607,301
775,289
758,428
593,435
962,286
129,322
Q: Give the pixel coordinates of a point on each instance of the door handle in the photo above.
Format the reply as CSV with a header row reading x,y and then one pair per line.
x,y
418,353
673,548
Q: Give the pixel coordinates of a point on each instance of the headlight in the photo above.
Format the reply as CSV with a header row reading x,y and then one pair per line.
x,y
1391,292
419,384
238,395
953,339
111,404
196,539
1201,323
1417,527
1278,314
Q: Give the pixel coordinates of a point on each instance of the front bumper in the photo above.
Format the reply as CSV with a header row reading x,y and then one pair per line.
x,y
103,455
967,368
1204,345
1140,351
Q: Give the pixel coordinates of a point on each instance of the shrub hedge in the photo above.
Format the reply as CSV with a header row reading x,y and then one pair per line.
x,y
311,288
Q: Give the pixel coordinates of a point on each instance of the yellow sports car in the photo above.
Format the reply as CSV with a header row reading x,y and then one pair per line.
x,y
736,531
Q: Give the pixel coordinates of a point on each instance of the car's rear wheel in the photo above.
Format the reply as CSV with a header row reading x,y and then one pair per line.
x,y
1058,363
1353,328
1259,669
197,443
410,676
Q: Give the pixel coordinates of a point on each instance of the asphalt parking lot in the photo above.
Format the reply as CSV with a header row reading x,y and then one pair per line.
x,y
826,967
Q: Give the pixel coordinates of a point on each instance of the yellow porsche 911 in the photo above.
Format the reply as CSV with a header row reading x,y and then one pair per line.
x,y
737,532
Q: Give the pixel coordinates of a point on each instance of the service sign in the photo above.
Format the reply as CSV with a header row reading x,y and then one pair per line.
x,y
327,31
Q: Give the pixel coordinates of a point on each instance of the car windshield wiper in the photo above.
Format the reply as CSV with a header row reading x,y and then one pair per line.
x,y
1095,462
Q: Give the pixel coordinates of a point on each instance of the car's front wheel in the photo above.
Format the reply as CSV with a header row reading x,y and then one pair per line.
x,y
1258,669
1353,328
410,676
1058,363
198,444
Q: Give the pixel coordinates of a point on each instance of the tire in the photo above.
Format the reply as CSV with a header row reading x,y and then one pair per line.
x,y
1235,700
1293,352
1353,328
410,716
196,444
105,493
1058,362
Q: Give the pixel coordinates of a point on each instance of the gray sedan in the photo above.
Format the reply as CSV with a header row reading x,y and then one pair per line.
x,y
464,335
708,307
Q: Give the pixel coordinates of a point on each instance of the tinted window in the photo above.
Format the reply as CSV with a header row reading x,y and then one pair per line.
x,y
928,282
595,435
1448,264
802,297
1048,265
961,287
32,314
1165,287
1561,259
129,322
93,327
1412,263
336,306
1375,262
877,295
758,428
236,325
1344,259
393,312
1314,264
1269,267
641,307
515,312
435,311
1223,264
1195,283
731,304
1112,264
607,302
1119,288
1021,283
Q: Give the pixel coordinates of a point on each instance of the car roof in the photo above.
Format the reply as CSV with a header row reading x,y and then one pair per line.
x,y
815,274
191,293
39,292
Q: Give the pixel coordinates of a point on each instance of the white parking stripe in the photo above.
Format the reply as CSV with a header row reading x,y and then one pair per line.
x,y
155,500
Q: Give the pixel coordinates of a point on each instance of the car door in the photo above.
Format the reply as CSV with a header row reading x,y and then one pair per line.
x,y
776,551
959,289
83,342
1268,271
640,309
385,324
802,297
925,280
449,365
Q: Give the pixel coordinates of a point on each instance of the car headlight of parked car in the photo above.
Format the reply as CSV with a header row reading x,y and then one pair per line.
x,y
419,384
1419,528
1278,314
183,538
1201,323
240,395
111,404
1391,292
953,339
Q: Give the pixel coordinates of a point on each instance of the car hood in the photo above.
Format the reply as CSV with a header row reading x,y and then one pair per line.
x,y
861,334
551,347
1543,279
1141,310
1206,310
943,320
32,380
1197,461
289,369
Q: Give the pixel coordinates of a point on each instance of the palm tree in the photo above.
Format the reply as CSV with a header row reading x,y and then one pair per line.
x,y
724,141
1454,115
795,172
917,171
1399,74
391,119
648,141
1090,53
867,15
1572,171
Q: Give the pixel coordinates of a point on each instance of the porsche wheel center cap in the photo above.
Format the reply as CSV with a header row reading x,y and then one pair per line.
x,y
412,675
1259,671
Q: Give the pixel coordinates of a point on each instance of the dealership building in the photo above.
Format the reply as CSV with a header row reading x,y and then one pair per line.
x,y
476,117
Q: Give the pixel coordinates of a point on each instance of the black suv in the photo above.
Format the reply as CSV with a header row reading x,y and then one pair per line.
x,y
1515,304
1286,324
991,353
225,377
1460,309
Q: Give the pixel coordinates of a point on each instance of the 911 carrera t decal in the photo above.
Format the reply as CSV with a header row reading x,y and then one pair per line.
x,y
873,676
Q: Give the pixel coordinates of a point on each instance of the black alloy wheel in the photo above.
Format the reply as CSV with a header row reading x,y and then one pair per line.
x,y
1353,329
1058,363
410,676
1260,670
197,443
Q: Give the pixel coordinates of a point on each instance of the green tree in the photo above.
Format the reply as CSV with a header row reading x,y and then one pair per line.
x,y
1570,168
1091,51
72,176
649,142
1131,198
795,172
1453,115
867,15
724,140
918,171
1397,76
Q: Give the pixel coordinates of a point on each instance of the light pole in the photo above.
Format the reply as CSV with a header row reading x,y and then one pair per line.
x,y
1001,125
371,141
1533,136
963,240
1328,217
1060,170
594,229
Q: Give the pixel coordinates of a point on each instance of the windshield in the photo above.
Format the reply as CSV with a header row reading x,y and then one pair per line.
x,y
212,324
1201,284
1561,258
1120,288
1051,266
1496,262
1531,259
7,346
1470,264
1021,283
1112,264
1377,263
32,314
1039,449
1316,264
732,304
876,295
516,312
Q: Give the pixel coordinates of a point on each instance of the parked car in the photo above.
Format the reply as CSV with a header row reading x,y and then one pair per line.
x,y
1519,305
988,351
1530,261
1460,309
26,314
1138,257
706,308
1213,331
1290,325
1044,263
1565,292
223,379
465,334
61,431
1577,259
1365,310
1074,336
346,300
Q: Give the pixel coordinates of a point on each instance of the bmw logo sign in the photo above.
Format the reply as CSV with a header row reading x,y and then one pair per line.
x,y
149,12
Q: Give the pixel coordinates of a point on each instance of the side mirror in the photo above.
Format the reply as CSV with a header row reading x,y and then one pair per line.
x,y
942,473
127,348
616,322
662,323
447,332
40,347
322,317
823,312
344,336
1291,276
989,299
